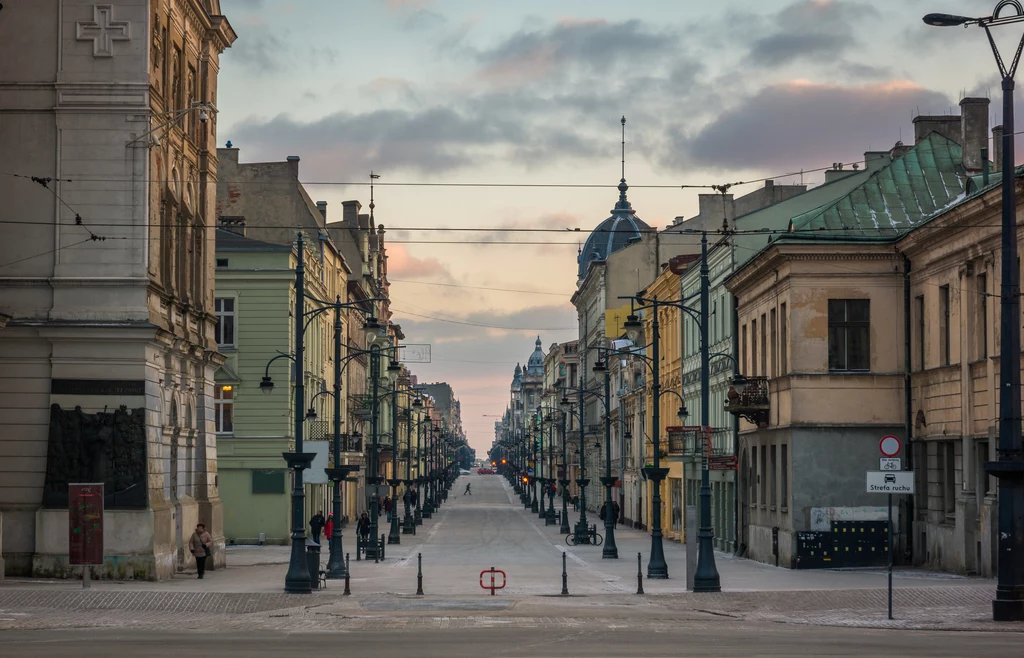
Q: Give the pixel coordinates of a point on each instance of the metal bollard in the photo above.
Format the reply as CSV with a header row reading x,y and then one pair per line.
x,y
383,543
419,574
348,571
359,547
639,575
565,577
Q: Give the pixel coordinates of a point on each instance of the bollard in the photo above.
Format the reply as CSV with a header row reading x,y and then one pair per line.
x,y
348,571
419,574
639,575
359,547
565,577
383,543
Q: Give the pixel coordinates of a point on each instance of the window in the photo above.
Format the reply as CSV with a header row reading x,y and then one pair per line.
x,y
944,324
763,479
919,308
222,262
268,482
775,345
743,348
848,334
784,493
774,471
947,453
764,347
753,475
783,342
223,409
753,347
224,332
982,283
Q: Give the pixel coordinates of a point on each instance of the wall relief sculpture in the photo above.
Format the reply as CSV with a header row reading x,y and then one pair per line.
x,y
107,447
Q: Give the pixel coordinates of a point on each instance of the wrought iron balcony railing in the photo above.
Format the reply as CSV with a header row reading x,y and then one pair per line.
x,y
752,402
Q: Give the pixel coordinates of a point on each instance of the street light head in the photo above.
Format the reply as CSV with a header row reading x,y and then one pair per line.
x,y
683,412
628,435
267,386
311,414
371,326
564,403
599,367
418,402
738,382
633,327
945,20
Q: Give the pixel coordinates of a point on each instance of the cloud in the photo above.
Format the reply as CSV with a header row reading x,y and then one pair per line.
x,y
403,265
803,125
809,29
423,19
591,46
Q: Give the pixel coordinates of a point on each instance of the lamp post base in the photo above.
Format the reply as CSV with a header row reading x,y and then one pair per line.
x,y
657,567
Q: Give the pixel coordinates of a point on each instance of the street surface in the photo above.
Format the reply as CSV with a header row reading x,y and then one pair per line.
x,y
762,610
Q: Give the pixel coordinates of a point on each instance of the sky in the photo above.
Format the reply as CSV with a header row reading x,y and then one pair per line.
x,y
531,92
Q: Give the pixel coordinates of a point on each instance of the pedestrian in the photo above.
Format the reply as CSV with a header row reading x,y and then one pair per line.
x,y
468,492
615,510
364,525
388,505
316,524
575,503
329,531
603,514
199,545
415,496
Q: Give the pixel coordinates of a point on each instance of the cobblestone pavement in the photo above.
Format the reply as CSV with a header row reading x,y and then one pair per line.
x,y
491,528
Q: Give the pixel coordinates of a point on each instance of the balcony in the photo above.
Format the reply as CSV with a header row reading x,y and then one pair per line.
x,y
323,430
751,401
687,442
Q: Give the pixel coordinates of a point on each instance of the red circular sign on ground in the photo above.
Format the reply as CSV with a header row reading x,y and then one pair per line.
x,y
889,445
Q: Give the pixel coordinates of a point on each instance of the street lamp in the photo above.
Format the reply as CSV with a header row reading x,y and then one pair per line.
x,y
610,550
1009,468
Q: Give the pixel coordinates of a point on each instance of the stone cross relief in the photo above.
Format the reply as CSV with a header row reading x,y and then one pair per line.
x,y
103,31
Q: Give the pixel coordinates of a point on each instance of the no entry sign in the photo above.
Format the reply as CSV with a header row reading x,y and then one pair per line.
x,y
889,445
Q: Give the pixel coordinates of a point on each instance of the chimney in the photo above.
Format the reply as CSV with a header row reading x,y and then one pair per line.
x,y
973,131
350,214
322,207
946,125
233,224
997,148
293,160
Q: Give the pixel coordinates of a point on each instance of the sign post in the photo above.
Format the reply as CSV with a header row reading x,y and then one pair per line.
x,y
85,528
890,479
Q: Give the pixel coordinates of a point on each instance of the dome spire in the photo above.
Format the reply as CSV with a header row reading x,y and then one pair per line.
x,y
623,203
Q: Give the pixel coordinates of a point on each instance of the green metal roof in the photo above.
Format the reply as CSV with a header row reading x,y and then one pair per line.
x,y
925,180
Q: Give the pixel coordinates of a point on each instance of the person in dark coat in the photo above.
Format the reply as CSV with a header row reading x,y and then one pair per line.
x,y
388,506
316,524
364,526
615,510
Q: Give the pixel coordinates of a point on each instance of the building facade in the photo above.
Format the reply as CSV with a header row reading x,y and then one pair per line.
x,y
821,342
109,349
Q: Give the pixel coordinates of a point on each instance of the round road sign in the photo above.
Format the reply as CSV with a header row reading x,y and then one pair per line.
x,y
889,445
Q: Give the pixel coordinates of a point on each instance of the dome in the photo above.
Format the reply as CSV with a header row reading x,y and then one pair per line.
x,y
617,232
535,366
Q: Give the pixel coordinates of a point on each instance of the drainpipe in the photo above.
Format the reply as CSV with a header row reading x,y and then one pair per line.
x,y
738,547
908,521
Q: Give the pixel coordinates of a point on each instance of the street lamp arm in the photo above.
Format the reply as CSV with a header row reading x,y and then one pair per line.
x,y
266,372
723,355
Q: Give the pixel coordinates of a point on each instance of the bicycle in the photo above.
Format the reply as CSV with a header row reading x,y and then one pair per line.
x,y
592,538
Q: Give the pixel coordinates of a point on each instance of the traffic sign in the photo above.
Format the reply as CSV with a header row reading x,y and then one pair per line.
x,y
889,445
891,482
890,464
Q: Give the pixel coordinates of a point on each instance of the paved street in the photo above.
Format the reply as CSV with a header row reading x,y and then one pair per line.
x,y
761,608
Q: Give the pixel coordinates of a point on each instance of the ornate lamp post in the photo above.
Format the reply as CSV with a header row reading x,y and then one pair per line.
x,y
1009,468
564,481
297,578
394,533
610,550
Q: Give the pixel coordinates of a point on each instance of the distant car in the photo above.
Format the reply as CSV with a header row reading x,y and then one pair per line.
x,y
485,471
